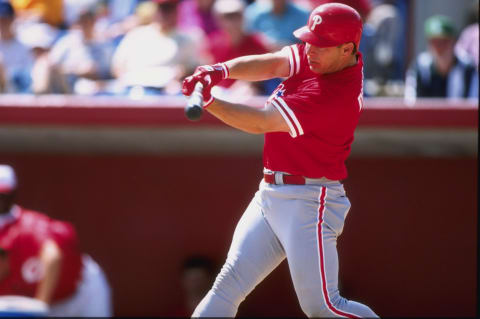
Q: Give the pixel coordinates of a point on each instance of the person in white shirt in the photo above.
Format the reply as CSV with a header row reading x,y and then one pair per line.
x,y
153,58
16,59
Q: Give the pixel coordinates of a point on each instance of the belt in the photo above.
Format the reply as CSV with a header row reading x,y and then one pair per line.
x,y
287,179
279,178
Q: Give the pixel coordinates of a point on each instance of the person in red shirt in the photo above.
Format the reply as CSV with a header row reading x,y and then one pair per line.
x,y
231,40
309,123
40,258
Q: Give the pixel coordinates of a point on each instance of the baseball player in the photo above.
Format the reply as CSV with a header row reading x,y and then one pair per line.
x,y
40,258
300,207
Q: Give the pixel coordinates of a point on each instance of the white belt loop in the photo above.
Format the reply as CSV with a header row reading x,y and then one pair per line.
x,y
278,178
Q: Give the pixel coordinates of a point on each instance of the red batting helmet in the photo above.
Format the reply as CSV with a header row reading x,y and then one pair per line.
x,y
330,25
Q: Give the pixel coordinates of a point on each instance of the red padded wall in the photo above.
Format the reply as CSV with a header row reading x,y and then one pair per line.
x,y
408,248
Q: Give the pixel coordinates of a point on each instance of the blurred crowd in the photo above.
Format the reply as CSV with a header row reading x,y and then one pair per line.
x,y
146,47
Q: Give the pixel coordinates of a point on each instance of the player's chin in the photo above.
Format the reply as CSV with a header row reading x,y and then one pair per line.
x,y
314,67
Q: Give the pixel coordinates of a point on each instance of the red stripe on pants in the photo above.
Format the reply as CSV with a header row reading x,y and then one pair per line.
x,y
321,210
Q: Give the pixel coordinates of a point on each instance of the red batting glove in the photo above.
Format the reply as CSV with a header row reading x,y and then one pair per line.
x,y
209,76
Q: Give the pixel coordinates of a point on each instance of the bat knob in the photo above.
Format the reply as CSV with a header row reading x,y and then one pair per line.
x,y
193,113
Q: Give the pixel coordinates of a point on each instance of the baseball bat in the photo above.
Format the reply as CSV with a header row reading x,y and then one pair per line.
x,y
194,108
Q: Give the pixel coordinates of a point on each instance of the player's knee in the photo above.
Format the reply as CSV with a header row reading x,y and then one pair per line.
x,y
315,308
229,285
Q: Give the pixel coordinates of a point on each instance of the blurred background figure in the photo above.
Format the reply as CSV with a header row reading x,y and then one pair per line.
x,y
276,19
121,10
48,11
40,258
439,72
15,58
114,18
232,41
199,14
467,45
39,38
197,276
384,48
80,60
152,59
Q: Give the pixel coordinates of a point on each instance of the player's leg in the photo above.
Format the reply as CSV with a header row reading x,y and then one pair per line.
x,y
308,230
254,253
92,298
98,291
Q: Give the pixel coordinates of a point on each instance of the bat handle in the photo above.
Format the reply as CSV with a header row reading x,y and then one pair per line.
x,y
194,108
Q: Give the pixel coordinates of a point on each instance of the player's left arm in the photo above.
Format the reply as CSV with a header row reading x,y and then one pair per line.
x,y
51,261
249,119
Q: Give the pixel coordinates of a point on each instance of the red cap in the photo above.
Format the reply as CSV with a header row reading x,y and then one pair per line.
x,y
332,24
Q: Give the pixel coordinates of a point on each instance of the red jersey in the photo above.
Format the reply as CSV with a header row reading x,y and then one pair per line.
x,y
22,237
322,112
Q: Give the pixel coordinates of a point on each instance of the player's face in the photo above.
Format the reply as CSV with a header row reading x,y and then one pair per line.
x,y
323,60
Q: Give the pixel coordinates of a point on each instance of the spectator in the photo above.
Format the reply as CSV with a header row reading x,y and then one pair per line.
x,y
114,18
40,258
80,61
439,72
276,19
154,58
233,41
197,275
467,46
197,14
122,10
145,12
383,44
39,37
74,8
15,58
49,11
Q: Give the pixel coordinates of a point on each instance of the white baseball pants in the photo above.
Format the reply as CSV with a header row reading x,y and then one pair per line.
x,y
301,223
93,296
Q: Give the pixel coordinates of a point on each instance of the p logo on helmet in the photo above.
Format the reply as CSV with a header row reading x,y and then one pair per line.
x,y
316,19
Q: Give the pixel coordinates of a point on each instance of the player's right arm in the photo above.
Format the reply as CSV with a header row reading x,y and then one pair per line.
x,y
51,259
259,67
248,68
